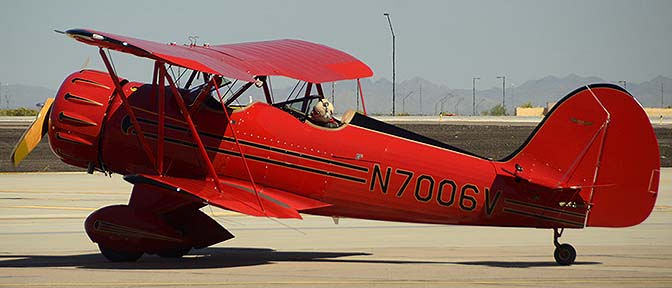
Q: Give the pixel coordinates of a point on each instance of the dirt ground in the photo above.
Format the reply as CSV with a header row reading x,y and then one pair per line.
x,y
494,141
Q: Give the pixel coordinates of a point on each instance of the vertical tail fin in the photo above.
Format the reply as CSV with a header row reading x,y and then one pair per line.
x,y
597,139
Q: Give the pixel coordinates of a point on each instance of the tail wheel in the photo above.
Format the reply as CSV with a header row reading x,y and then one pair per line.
x,y
175,253
565,254
114,255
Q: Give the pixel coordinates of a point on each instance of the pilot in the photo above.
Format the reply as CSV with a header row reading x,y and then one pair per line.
x,y
322,114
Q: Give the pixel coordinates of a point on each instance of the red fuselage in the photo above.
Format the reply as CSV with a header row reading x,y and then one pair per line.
x,y
363,173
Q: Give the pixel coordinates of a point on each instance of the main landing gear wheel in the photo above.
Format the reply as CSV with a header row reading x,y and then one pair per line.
x,y
119,256
564,254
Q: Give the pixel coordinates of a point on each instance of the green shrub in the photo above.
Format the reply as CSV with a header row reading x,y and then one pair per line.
x,y
18,112
495,111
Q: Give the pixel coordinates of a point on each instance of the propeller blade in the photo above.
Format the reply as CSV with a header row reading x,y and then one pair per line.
x,y
33,135
86,63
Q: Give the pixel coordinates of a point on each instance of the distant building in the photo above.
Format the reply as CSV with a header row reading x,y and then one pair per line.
x,y
530,111
541,111
658,112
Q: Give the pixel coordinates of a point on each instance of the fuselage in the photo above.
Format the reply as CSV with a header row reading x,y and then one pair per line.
x,y
363,173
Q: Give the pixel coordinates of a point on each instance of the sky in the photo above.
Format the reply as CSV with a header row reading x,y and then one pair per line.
x,y
446,42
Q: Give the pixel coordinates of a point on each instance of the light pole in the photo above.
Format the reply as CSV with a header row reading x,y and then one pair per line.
x,y
473,95
394,72
503,92
403,101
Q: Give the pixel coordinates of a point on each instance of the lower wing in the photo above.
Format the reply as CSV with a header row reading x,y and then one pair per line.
x,y
236,195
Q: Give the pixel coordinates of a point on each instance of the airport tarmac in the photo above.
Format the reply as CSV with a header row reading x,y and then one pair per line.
x,y
43,244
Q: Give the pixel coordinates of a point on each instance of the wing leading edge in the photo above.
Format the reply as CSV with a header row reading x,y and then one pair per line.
x,y
238,196
296,59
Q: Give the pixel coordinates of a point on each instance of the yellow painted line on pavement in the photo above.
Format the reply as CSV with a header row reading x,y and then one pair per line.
x,y
49,217
224,214
45,173
214,214
53,207
65,192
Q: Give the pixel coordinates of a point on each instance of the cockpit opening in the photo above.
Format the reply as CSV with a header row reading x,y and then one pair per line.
x,y
305,101
314,108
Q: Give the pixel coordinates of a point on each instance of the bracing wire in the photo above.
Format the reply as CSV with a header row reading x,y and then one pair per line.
x,y
293,89
286,226
172,72
181,74
230,88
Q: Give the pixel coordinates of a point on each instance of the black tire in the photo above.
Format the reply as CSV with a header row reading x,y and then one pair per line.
x,y
119,256
564,254
175,253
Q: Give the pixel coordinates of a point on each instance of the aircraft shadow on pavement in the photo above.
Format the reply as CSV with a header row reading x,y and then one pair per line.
x,y
228,258
520,264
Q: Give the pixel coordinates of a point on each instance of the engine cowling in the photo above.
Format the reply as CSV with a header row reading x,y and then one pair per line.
x,y
77,117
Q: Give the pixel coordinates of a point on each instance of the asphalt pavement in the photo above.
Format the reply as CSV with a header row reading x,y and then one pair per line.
x,y
43,244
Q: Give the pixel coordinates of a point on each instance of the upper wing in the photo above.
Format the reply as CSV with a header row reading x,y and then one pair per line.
x,y
296,59
237,196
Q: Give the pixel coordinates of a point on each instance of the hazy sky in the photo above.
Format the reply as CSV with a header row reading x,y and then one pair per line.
x,y
446,42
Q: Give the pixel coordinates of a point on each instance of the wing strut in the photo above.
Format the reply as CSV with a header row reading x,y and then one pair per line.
x,y
163,76
129,110
240,149
194,132
361,95
160,84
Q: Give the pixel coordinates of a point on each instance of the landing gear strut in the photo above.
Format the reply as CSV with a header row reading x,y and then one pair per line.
x,y
564,253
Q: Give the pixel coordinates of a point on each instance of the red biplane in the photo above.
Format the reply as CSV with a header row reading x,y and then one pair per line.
x,y
593,161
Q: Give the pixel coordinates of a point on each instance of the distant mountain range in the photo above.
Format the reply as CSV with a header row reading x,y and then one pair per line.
x,y
27,96
421,96
459,101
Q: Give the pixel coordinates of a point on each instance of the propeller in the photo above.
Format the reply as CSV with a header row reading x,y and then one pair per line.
x,y
33,135
86,63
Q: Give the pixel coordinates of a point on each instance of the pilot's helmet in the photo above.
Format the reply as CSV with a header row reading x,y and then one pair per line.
x,y
322,111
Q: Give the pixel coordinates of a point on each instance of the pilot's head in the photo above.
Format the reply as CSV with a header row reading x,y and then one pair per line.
x,y
322,111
